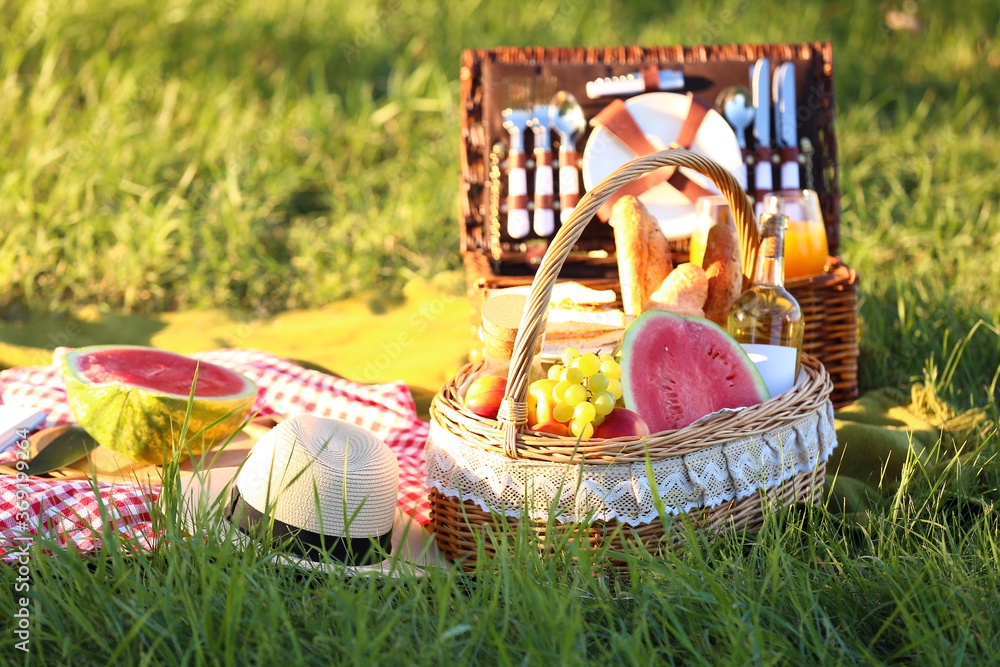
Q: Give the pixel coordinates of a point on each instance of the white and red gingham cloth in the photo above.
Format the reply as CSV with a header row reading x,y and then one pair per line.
x,y
70,511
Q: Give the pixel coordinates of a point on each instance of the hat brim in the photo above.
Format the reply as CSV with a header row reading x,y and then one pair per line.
x,y
412,550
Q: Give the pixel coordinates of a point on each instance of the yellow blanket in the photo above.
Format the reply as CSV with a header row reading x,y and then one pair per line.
x,y
879,431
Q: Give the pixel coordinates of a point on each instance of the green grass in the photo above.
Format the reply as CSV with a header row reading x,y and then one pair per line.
x,y
917,586
173,155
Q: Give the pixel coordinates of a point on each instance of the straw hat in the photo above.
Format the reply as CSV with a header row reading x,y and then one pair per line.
x,y
321,490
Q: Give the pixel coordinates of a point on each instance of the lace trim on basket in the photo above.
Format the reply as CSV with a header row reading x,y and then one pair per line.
x,y
622,491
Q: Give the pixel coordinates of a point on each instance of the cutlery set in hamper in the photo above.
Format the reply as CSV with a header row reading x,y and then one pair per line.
x,y
660,129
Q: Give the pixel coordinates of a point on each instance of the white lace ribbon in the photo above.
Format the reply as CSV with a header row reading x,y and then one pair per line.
x,y
624,491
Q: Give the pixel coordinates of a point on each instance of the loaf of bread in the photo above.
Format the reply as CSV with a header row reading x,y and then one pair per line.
x,y
684,292
642,250
632,253
660,262
722,268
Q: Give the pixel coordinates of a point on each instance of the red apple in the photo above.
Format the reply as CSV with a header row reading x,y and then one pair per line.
x,y
485,395
621,422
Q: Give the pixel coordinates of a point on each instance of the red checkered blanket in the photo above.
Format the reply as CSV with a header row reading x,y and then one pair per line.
x,y
69,510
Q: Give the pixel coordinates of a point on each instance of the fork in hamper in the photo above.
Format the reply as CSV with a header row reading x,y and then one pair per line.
x,y
541,121
517,111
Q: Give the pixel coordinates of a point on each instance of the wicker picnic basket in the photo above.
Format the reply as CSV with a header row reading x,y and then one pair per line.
x,y
494,260
485,472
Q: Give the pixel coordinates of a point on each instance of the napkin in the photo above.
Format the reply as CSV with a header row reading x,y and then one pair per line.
x,y
876,434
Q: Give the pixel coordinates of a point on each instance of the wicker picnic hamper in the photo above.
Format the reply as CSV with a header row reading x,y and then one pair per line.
x,y
719,471
494,260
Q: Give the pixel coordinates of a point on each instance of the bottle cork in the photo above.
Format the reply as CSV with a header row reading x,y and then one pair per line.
x,y
769,242
501,316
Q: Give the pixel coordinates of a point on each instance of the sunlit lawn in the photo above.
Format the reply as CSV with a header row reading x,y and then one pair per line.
x,y
274,156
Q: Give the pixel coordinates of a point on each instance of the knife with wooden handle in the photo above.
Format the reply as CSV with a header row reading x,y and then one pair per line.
x,y
518,223
569,182
785,121
760,81
544,218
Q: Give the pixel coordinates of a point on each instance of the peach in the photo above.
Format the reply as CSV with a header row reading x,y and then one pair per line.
x,y
621,422
485,395
553,427
540,401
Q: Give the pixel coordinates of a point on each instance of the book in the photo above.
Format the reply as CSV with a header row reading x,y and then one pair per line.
x,y
16,422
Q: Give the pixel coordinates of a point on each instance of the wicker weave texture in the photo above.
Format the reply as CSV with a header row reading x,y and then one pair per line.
x,y
805,398
458,525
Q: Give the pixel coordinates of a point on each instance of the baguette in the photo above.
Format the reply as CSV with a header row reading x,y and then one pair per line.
x,y
722,268
659,263
632,252
644,258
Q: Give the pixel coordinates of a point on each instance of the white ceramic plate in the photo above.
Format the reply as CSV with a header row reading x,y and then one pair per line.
x,y
660,116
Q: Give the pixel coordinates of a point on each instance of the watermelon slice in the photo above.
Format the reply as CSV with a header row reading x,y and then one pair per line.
x,y
133,399
676,370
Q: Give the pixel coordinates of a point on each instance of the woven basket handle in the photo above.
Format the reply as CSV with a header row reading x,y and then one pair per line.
x,y
513,410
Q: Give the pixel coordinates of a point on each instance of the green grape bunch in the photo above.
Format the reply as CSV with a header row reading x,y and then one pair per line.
x,y
588,386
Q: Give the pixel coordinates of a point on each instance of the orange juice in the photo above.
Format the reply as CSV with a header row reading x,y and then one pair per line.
x,y
805,249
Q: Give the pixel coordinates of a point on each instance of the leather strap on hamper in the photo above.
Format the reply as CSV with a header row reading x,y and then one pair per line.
x,y
651,77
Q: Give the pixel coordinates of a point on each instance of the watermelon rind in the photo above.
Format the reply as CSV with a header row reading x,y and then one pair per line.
x,y
144,424
707,371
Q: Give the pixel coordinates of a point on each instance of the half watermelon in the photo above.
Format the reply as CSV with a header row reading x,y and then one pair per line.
x,y
676,370
133,400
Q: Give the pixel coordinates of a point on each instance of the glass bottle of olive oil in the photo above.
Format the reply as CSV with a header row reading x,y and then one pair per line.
x,y
766,319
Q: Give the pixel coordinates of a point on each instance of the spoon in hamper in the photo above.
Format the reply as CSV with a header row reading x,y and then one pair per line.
x,y
569,123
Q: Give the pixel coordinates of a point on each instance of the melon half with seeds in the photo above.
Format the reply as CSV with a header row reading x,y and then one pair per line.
x,y
133,400
676,370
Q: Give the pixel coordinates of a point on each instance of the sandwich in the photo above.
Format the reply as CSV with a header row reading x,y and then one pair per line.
x,y
578,316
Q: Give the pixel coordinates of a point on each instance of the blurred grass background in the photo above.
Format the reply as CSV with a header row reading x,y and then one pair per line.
x,y
262,157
